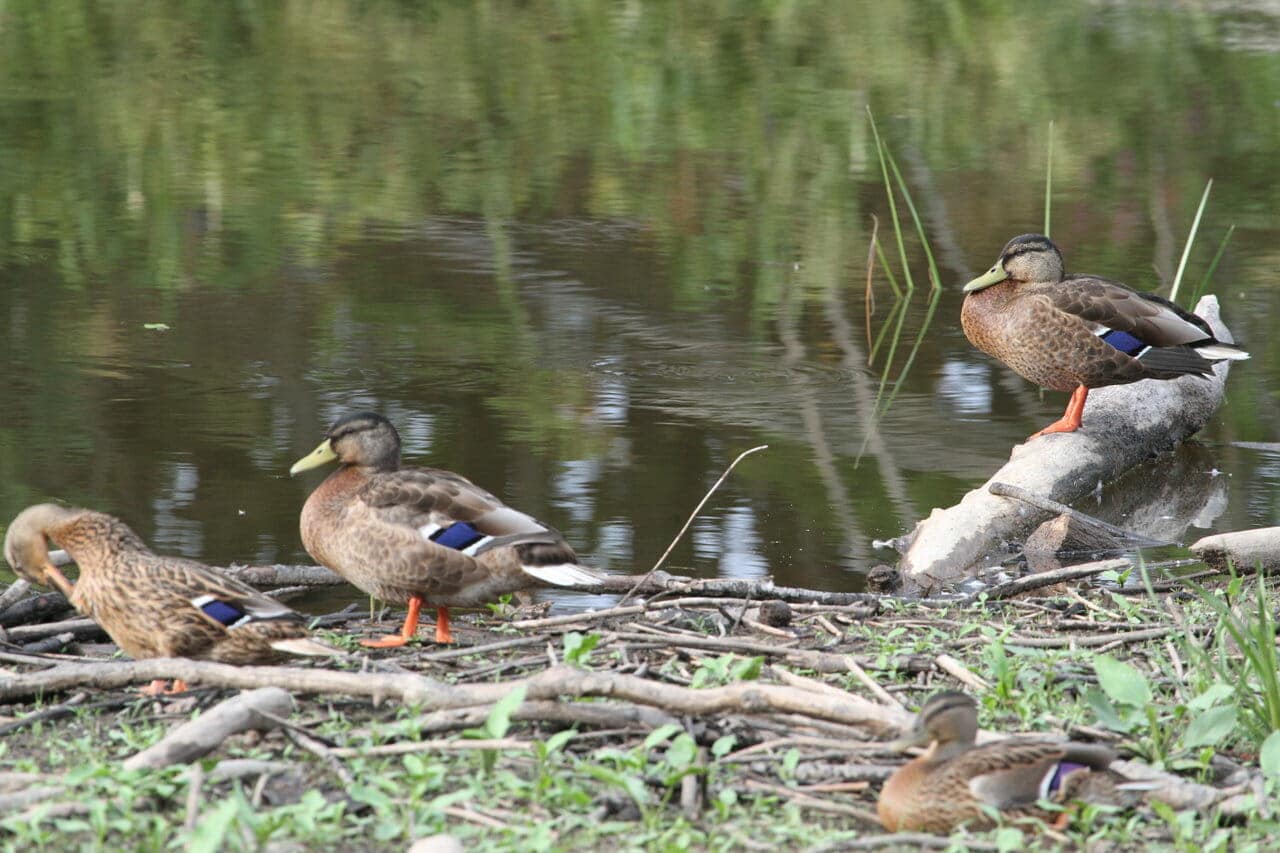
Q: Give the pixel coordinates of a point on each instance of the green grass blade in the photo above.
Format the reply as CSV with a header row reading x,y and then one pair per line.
x,y
1191,239
915,218
893,205
1048,181
1213,267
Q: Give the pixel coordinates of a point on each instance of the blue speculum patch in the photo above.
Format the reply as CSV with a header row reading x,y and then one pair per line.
x,y
221,611
457,536
1125,342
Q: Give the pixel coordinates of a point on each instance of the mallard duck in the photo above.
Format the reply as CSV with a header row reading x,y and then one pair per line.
x,y
1076,332
150,605
954,781
418,535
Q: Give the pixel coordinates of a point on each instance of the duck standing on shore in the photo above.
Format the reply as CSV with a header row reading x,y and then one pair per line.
x,y
421,535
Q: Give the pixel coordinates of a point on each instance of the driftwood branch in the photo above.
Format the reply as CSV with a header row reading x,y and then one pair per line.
x,y
430,694
1123,425
1072,531
1039,580
1246,549
195,738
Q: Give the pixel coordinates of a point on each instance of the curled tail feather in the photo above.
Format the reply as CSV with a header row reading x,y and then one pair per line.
x,y
562,574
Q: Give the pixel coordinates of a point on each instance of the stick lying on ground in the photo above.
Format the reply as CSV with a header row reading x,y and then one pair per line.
x,y
204,734
1246,549
430,694
1125,425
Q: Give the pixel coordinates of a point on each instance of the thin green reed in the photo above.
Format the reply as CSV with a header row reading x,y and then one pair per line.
x,y
889,164
1191,239
1213,266
1048,181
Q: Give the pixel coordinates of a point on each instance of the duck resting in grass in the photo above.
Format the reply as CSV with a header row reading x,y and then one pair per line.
x,y
1076,332
955,781
152,605
421,535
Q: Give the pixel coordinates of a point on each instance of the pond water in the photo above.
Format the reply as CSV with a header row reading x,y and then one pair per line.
x,y
588,253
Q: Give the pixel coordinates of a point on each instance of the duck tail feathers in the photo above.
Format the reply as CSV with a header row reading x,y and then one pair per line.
x,y
562,574
1217,351
304,646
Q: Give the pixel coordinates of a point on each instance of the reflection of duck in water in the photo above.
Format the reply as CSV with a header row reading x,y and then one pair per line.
x,y
1076,332
956,782
417,535
154,606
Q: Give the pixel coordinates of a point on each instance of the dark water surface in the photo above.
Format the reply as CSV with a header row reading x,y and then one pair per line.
x,y
588,253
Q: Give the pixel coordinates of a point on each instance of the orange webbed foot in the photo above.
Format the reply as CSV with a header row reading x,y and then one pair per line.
x,y
160,687
391,641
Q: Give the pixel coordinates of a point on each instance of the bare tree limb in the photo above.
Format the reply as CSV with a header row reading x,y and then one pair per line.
x,y
198,737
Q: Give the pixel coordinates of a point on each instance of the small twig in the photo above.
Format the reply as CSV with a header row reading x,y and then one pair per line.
x,y
431,746
871,684
829,626
869,299
319,750
744,454
961,673
1026,583
817,804
767,629
14,593
904,841
195,781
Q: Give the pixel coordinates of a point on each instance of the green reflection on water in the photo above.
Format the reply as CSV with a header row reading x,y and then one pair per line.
x,y
496,217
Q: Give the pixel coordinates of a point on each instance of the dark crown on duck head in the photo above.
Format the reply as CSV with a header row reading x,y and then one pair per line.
x,y
365,438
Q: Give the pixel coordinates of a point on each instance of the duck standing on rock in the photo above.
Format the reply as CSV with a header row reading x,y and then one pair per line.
x,y
152,605
955,781
1076,332
419,535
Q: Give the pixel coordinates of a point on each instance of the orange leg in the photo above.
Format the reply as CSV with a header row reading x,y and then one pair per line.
x,y
1070,420
406,632
160,687
443,635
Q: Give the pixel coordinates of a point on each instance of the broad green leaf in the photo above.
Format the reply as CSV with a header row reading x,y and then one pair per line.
x,y
724,745
499,720
1211,697
683,751
747,670
660,734
578,647
1269,755
212,829
1211,727
1105,711
557,741
1121,682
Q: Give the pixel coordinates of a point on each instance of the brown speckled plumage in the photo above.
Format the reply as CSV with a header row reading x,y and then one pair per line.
x,y
1046,326
369,522
144,600
955,779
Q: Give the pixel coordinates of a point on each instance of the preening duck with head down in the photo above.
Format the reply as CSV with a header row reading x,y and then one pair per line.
x,y
1076,332
152,605
421,535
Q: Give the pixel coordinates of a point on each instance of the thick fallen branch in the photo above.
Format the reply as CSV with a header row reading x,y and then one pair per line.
x,y
195,738
279,575
37,608
1246,550
1123,425
429,694
1039,580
